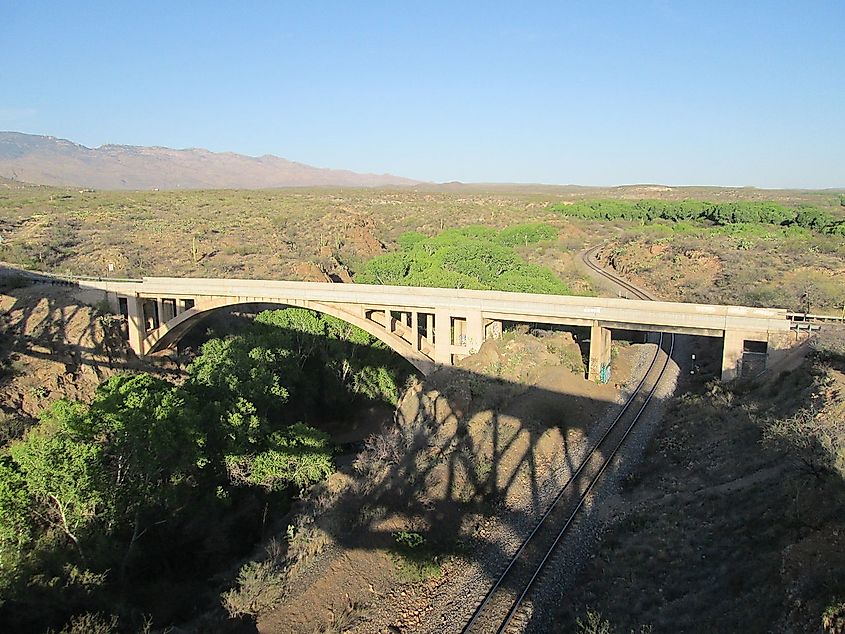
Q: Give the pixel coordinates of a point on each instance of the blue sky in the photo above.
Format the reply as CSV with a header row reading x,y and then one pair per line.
x,y
595,93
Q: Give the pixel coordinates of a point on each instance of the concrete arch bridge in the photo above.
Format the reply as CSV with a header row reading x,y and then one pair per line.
x,y
431,327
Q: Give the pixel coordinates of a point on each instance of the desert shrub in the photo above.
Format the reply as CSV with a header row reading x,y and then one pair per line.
x,y
409,539
414,558
344,620
259,587
833,618
12,427
91,623
593,623
20,254
814,440
307,542
380,451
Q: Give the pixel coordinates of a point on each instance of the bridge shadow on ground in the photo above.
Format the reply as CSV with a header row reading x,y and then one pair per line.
x,y
54,343
471,462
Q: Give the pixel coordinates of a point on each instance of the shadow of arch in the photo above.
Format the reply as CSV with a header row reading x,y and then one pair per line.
x,y
170,333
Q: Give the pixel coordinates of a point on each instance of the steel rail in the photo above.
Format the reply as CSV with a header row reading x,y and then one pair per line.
x,y
552,505
479,613
516,605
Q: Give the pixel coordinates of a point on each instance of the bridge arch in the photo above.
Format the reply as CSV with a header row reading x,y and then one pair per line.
x,y
171,332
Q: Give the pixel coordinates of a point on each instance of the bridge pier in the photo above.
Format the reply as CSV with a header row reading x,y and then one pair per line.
x,y
474,332
492,329
599,351
442,335
136,326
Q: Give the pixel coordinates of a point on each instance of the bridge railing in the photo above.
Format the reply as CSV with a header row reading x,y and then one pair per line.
x,y
815,318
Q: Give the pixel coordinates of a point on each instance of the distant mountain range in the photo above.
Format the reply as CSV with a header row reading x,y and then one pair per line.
x,y
46,160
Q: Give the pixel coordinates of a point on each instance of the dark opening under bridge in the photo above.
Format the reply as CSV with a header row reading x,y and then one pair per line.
x,y
435,326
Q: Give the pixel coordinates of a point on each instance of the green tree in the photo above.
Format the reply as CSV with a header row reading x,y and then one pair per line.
x,y
388,269
242,367
15,508
298,455
409,240
63,471
471,257
151,445
523,235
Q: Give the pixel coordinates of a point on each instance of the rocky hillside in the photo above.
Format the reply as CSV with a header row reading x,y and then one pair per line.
x,y
53,346
50,161
733,522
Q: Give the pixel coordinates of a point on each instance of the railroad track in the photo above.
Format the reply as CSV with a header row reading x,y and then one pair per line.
x,y
501,610
588,257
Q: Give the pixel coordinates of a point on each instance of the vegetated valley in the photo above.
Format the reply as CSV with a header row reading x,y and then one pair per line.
x,y
285,472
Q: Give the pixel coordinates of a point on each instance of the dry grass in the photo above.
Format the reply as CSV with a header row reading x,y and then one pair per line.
x,y
777,268
715,512
273,233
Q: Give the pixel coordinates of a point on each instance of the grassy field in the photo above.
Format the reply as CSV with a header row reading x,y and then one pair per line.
x,y
291,233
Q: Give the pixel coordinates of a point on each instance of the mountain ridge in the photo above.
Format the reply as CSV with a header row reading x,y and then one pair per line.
x,y
49,160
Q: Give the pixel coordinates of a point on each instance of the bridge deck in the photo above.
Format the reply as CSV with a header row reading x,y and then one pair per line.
x,y
705,319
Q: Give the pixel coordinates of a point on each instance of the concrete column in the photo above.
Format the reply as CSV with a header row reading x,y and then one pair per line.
x,y
167,310
474,332
114,304
733,346
492,329
415,330
137,328
457,330
442,331
162,318
732,354
599,351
